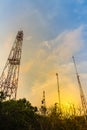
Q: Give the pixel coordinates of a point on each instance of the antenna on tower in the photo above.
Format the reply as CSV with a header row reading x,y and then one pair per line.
x,y
82,96
10,75
43,105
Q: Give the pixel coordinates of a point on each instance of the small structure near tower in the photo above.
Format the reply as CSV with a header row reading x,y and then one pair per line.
x,y
43,105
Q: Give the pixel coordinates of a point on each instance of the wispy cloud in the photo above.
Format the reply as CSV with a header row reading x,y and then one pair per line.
x,y
62,47
26,67
28,38
50,57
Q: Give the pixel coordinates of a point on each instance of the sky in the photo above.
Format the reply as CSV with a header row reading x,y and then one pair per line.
x,y
54,31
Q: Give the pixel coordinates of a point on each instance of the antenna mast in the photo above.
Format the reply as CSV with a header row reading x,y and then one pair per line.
x,y
82,96
10,75
58,91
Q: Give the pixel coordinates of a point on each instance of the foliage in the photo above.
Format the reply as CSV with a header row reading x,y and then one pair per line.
x,y
18,115
2,96
21,115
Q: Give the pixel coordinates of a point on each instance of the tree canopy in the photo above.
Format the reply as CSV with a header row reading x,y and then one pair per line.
x,y
21,115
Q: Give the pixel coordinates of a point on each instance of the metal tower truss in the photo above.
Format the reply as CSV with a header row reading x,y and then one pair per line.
x,y
83,99
10,74
82,96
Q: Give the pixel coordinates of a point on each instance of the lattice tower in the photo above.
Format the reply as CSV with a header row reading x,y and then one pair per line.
x,y
82,96
10,75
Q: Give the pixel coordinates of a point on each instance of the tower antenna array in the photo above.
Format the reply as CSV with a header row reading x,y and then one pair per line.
x,y
10,75
43,105
82,96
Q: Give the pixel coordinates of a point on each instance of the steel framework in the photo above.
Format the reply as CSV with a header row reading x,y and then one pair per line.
x,y
10,75
82,96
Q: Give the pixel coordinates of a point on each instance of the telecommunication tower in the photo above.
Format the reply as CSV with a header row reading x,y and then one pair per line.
x,y
10,74
83,99
43,105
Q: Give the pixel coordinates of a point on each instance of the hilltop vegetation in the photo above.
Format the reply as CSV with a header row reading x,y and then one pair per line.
x,y
21,115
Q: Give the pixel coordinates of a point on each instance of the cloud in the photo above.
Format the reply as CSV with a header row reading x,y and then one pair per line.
x,y
50,57
71,43
28,38
68,87
63,46
26,67
8,41
5,48
38,73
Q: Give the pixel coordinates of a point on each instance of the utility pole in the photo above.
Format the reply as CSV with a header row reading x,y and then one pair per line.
x,y
58,91
82,96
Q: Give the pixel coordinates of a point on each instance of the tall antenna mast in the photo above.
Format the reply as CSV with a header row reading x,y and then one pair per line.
x,y
10,75
59,102
82,96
